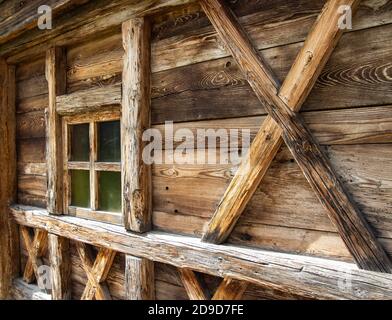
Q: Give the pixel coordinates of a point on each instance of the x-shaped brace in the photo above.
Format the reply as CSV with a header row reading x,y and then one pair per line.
x,y
229,289
36,247
282,105
96,271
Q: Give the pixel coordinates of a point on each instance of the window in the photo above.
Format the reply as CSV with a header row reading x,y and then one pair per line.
x,y
92,166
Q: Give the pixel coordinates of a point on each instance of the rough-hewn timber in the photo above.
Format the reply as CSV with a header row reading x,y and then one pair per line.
x,y
296,274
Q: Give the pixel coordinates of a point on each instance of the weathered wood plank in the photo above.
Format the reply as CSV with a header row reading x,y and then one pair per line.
x,y
22,291
300,80
9,240
76,25
192,284
136,174
352,226
230,289
56,77
139,278
60,264
308,276
88,100
26,16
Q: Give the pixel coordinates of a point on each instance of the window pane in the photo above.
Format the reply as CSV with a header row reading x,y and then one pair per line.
x,y
80,188
109,141
110,191
80,146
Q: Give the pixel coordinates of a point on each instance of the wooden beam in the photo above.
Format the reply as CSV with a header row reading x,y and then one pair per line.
x,y
85,21
36,248
193,286
23,291
310,61
56,76
88,100
136,174
352,226
139,278
96,272
60,264
9,235
26,16
310,277
230,289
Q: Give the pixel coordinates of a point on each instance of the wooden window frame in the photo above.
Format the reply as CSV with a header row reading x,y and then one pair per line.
x,y
93,166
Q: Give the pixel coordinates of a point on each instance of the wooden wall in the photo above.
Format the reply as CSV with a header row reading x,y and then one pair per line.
x,y
197,85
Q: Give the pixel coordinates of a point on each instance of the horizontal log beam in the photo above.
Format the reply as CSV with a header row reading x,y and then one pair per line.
x,y
308,276
86,20
88,100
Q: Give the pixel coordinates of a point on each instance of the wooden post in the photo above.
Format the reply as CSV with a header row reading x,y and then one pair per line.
x,y
136,175
60,264
9,236
230,289
139,278
56,77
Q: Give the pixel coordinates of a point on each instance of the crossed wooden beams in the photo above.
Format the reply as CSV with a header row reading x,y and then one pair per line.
x,y
282,104
36,247
229,289
96,271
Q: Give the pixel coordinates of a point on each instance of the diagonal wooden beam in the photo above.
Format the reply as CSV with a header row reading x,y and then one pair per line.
x,y
96,272
230,289
310,61
193,286
36,248
351,225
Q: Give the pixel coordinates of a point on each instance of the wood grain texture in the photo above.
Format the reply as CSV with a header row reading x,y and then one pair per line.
x,y
192,284
9,241
96,271
55,75
307,276
22,291
139,278
36,247
60,264
25,15
76,25
136,174
353,228
300,80
230,289
88,100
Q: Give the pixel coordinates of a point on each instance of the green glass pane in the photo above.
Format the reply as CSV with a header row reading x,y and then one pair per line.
x,y
80,145
80,188
110,191
109,141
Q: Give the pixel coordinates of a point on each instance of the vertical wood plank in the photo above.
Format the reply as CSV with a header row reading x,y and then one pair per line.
x,y
93,173
60,264
136,175
56,77
9,238
139,278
